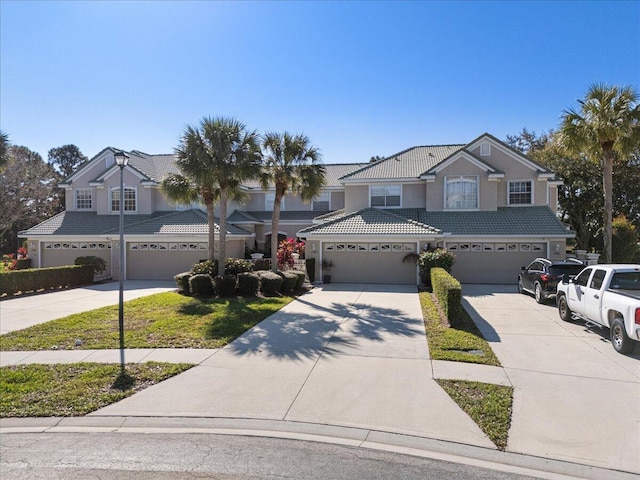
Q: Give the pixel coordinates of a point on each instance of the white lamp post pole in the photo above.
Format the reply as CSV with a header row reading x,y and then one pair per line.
x,y
122,159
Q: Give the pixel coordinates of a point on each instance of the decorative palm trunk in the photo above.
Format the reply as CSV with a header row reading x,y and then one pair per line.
x,y
223,230
212,230
607,189
275,223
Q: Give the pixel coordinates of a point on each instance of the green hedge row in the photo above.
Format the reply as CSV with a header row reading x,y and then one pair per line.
x,y
448,291
245,283
34,279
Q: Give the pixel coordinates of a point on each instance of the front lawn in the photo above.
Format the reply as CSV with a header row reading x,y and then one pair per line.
x,y
164,320
464,343
71,390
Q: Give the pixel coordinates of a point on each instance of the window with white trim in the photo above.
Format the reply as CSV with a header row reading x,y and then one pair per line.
x,y
385,195
130,199
109,160
322,202
485,149
521,192
83,199
461,192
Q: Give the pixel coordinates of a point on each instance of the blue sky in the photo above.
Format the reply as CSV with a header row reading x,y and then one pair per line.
x,y
359,78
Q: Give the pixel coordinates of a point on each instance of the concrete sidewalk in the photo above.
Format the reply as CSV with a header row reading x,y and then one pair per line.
x,y
25,311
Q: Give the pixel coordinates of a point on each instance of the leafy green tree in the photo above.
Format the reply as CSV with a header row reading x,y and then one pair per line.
x,y
27,194
214,158
66,159
625,241
290,165
607,123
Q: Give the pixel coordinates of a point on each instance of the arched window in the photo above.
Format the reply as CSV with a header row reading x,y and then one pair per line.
x,y
461,192
130,199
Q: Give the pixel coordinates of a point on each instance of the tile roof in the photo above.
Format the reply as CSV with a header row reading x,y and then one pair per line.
x,y
333,173
329,216
176,223
266,215
410,163
505,221
371,221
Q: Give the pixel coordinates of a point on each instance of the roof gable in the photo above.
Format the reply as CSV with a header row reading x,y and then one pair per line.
x,y
466,156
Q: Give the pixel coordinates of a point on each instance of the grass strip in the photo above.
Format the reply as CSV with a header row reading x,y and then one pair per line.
x,y
164,320
454,344
67,390
488,405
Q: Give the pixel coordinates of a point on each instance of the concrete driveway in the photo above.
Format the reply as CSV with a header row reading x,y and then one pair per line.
x,y
575,398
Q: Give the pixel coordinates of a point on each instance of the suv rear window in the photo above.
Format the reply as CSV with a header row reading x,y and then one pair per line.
x,y
568,269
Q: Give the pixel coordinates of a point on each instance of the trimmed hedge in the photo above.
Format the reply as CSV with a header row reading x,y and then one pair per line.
x,y
289,280
248,283
225,285
261,264
201,284
300,278
234,266
448,291
311,268
23,264
182,281
98,264
271,282
34,279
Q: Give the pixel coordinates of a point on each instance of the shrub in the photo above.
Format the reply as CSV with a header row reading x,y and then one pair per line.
x,y
182,281
35,279
225,285
271,282
234,266
624,241
22,264
300,278
289,281
261,264
248,283
311,268
207,267
98,264
201,284
448,291
285,253
434,258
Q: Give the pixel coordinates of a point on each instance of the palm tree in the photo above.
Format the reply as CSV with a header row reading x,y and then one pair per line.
x,y
214,159
290,165
607,124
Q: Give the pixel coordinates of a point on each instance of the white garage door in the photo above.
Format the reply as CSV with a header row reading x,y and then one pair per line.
x,y
161,261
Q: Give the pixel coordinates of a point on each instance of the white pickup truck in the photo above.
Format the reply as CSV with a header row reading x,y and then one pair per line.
x,y
606,296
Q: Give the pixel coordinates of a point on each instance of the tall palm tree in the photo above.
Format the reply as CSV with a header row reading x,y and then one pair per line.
x,y
290,165
608,124
214,159
234,154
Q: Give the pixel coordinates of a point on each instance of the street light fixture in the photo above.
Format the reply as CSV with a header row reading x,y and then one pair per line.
x,y
122,159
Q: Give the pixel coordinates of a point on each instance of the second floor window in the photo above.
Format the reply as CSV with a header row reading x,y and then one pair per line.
x,y
84,199
461,192
521,192
130,204
322,202
269,198
385,195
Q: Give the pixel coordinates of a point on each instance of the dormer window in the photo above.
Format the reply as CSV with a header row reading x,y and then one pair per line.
x,y
109,160
130,201
269,199
485,149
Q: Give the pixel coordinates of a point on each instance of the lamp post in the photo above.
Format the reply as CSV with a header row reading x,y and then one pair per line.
x,y
122,159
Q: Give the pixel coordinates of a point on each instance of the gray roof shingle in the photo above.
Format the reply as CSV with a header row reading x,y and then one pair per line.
x,y
181,223
371,221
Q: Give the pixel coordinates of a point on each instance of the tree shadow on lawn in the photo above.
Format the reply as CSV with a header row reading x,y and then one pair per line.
x,y
295,333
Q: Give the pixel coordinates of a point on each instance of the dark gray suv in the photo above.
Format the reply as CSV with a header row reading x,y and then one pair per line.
x,y
541,277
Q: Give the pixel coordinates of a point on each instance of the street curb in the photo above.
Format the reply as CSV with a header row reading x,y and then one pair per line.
x,y
424,447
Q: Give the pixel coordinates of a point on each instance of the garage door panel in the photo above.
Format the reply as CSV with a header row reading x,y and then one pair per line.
x,y
371,267
490,267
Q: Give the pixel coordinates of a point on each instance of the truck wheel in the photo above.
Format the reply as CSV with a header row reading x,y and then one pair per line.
x,y
563,309
539,294
619,339
520,289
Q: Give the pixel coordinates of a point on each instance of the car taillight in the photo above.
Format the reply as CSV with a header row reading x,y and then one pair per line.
x,y
637,316
544,277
